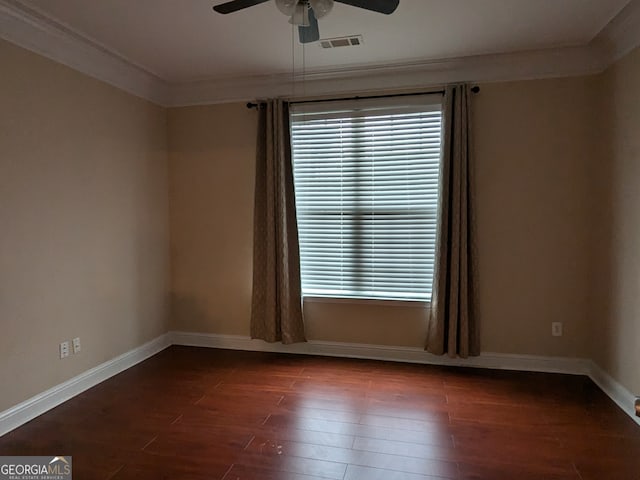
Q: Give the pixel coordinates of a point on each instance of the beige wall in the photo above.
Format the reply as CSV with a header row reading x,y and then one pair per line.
x,y
533,153
83,222
83,215
211,164
84,233
533,145
616,225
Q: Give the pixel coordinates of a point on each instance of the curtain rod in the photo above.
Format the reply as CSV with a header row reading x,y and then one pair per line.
x,y
474,89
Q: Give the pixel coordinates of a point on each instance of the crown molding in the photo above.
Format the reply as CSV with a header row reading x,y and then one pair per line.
x,y
34,31
571,61
620,36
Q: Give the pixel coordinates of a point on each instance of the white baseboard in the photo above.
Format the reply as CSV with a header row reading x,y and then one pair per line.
x,y
533,363
498,361
614,390
37,405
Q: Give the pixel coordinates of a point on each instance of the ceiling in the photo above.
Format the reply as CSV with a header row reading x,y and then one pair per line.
x,y
180,52
184,40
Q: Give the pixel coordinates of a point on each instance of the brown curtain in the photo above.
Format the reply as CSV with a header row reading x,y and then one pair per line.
x,y
452,325
276,307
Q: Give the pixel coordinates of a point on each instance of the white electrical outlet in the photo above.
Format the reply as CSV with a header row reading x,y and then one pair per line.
x,y
76,345
556,329
64,349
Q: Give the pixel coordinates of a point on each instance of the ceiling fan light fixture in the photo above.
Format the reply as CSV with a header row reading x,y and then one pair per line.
x,y
321,7
288,7
300,15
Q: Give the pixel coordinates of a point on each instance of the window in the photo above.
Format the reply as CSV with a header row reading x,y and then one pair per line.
x,y
366,181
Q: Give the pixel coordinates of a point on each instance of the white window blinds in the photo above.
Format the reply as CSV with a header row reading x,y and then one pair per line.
x,y
366,181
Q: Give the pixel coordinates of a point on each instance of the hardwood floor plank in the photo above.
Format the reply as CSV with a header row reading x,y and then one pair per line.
x,y
241,472
200,420
500,471
318,414
221,446
273,461
385,461
339,403
440,450
435,422
357,472
146,466
330,390
305,436
90,460
431,433
598,469
407,397
281,420
194,414
423,411
264,382
257,399
508,448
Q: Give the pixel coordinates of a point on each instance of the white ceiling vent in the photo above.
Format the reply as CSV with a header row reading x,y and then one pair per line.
x,y
350,41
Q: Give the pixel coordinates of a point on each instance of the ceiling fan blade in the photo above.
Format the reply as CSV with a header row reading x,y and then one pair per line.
x,y
311,33
381,6
236,5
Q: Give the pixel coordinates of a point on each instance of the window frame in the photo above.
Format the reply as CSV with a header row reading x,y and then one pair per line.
x,y
369,107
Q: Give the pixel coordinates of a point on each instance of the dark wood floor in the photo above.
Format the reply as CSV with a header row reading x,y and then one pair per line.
x,y
196,414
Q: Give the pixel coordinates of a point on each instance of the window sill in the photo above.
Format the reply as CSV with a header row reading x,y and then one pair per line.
x,y
367,301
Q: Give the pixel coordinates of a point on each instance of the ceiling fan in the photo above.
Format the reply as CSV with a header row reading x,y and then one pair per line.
x,y
305,13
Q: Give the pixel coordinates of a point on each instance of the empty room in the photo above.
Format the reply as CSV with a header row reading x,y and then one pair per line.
x,y
320,239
